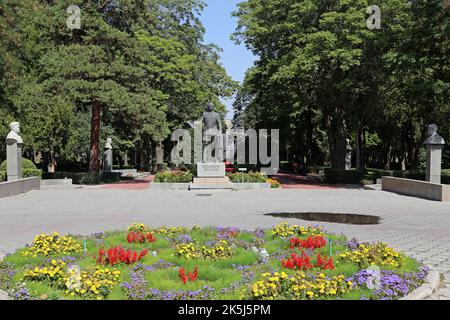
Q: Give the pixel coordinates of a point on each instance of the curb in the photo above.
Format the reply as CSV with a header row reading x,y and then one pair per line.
x,y
3,294
428,289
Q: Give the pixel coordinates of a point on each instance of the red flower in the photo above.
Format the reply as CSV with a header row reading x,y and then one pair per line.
x,y
312,242
118,254
192,276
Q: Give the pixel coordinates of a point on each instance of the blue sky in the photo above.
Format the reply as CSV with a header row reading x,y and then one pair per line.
x,y
219,25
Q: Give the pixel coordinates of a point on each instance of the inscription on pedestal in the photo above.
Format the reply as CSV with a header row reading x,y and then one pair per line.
x,y
211,170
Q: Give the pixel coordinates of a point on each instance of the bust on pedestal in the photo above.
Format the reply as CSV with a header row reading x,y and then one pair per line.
x,y
434,144
14,144
348,156
108,156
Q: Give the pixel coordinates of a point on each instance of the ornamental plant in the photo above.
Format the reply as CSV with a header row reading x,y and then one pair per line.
x,y
94,284
140,237
299,286
117,255
174,177
312,242
54,272
191,276
48,244
367,254
138,227
285,230
303,262
219,250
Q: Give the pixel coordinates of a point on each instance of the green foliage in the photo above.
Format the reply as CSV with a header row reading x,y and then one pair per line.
x,y
26,164
343,176
322,76
143,62
173,177
86,178
250,177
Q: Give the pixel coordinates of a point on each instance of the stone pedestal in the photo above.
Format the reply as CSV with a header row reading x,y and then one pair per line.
x,y
434,159
14,161
108,160
211,176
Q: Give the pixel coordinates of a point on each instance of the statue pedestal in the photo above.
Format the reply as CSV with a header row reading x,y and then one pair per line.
x,y
211,176
108,161
14,161
434,159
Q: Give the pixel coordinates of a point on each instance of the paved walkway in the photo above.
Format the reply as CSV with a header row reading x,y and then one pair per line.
x,y
292,181
417,227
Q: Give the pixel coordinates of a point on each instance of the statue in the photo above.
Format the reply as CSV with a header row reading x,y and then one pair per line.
x,y
108,156
13,136
212,131
14,144
434,144
348,156
433,136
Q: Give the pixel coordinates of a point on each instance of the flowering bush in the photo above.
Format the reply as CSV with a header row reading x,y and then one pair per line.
x,y
285,230
274,184
250,177
47,244
299,286
379,254
312,242
118,255
174,177
140,237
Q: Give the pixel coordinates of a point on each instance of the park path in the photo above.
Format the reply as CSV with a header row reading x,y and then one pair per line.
x,y
293,181
138,184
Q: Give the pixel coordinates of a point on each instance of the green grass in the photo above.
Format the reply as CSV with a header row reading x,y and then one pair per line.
x,y
217,274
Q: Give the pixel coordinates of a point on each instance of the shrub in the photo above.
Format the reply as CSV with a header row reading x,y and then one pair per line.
x,y
173,177
28,170
343,176
251,177
84,177
26,164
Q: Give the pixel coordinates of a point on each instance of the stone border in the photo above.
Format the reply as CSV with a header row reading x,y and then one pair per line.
x,y
251,186
169,186
3,294
13,188
428,289
417,188
185,186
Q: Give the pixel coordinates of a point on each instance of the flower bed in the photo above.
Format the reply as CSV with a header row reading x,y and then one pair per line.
x,y
286,262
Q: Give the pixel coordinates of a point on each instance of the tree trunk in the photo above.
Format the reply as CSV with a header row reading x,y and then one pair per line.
x,y
95,137
309,140
337,139
360,148
387,157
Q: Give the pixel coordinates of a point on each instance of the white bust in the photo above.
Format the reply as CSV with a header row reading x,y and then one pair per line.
x,y
13,136
108,144
433,136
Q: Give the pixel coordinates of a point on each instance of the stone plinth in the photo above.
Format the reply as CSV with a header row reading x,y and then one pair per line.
x,y
211,176
416,188
434,159
108,161
211,170
14,161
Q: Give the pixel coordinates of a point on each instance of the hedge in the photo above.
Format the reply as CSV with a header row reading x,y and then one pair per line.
x,y
28,170
343,176
250,177
84,177
173,177
409,174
